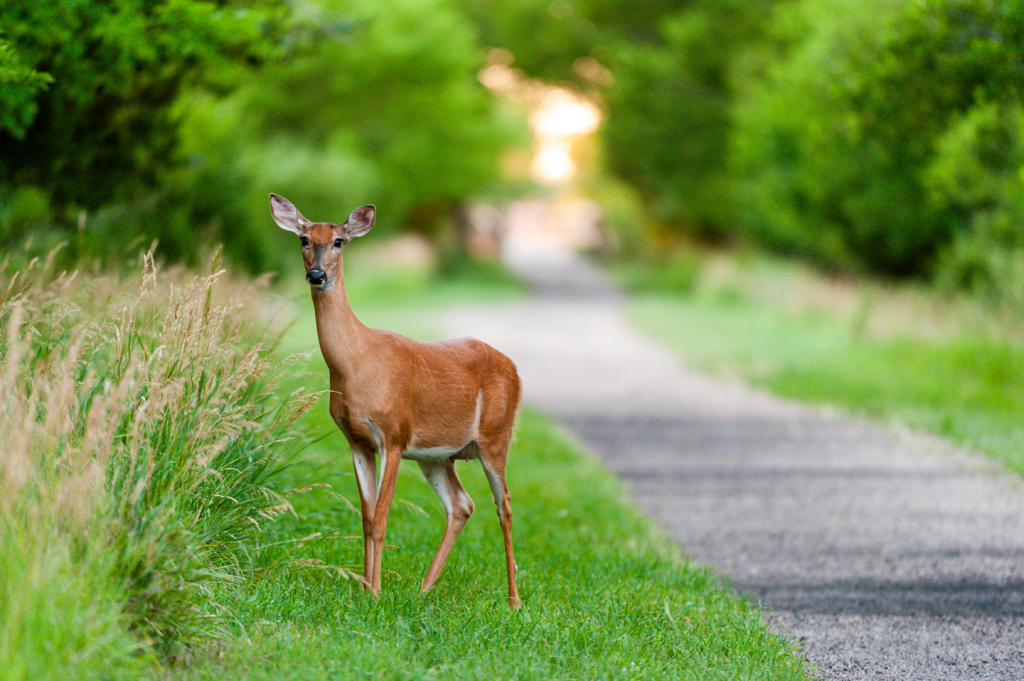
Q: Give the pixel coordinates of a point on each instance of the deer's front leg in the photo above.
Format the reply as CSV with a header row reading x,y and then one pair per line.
x,y
385,495
366,479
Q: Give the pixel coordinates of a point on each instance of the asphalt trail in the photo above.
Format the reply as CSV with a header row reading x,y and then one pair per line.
x,y
884,554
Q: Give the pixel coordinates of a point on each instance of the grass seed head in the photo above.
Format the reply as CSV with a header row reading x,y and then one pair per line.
x,y
138,417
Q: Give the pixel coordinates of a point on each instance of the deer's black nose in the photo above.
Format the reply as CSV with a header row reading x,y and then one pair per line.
x,y
316,277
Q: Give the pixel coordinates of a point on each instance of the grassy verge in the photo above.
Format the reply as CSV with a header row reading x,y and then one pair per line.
x,y
137,426
605,595
154,536
951,367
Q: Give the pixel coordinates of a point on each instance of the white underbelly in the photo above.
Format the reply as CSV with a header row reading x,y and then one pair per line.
x,y
432,454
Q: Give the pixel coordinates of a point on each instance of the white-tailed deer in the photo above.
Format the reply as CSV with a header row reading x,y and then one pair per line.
x,y
433,403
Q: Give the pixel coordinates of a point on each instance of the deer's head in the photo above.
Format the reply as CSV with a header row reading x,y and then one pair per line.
x,y
322,242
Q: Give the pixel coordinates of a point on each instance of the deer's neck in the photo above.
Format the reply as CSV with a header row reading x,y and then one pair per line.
x,y
342,337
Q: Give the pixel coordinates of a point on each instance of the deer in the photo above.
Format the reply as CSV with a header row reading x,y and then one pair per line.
x,y
398,398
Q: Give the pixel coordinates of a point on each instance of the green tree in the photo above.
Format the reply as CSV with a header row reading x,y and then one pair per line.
x,y
105,127
389,113
545,37
667,125
835,139
19,86
159,125
669,112
401,93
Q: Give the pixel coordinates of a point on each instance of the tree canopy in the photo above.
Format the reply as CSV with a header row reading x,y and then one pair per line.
x,y
846,145
878,135
172,119
97,123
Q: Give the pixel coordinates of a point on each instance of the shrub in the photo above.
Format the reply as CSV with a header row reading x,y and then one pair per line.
x,y
668,126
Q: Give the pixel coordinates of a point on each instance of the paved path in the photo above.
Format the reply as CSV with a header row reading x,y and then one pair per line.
x,y
885,555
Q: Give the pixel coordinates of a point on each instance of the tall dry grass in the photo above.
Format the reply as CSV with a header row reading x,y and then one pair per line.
x,y
138,426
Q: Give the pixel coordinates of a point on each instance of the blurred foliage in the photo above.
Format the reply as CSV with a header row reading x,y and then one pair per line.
x,y
878,135
171,120
977,175
794,146
667,97
676,273
390,114
544,37
669,113
104,129
854,142
19,85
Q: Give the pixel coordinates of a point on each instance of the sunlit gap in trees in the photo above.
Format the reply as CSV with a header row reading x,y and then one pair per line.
x,y
558,117
561,117
533,229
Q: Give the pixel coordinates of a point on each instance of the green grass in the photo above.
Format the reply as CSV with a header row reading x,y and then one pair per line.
x,y
605,595
962,383
138,424
148,535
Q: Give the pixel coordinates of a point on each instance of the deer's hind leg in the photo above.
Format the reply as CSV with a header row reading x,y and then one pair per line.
x,y
458,506
493,457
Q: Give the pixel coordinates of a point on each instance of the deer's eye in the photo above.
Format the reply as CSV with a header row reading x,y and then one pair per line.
x,y
304,240
337,243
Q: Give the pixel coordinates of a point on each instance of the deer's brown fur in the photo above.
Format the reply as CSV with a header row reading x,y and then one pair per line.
x,y
400,398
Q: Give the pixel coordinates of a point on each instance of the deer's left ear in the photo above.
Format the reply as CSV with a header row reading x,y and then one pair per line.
x,y
286,215
360,221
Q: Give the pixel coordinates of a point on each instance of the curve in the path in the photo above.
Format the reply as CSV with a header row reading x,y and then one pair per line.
x,y
884,554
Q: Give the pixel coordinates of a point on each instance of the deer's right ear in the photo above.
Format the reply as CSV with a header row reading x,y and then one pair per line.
x,y
286,215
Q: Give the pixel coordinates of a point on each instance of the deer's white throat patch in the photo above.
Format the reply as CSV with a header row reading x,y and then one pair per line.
x,y
324,287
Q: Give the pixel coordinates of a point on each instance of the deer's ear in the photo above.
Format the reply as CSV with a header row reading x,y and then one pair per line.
x,y
361,221
286,215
